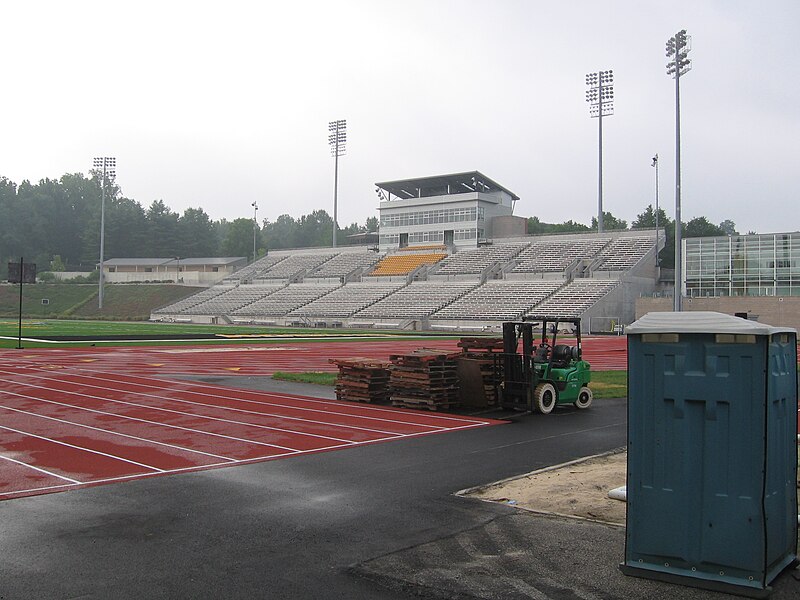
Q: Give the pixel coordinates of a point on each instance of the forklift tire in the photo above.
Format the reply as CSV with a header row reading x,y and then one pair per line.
x,y
584,398
544,398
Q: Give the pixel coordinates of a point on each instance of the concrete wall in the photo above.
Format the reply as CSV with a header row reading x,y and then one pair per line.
x,y
197,278
507,226
777,311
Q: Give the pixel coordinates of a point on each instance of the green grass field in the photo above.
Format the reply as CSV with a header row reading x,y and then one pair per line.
x,y
94,331
65,300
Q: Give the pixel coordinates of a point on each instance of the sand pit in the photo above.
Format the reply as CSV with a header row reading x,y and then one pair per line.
x,y
576,489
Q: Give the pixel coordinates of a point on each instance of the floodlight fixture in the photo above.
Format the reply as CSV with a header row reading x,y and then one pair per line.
x,y
108,167
337,140
677,49
600,97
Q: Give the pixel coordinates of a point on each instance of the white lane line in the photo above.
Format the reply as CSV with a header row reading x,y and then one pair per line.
x,y
140,420
111,432
45,471
81,448
232,409
234,462
178,412
213,406
192,386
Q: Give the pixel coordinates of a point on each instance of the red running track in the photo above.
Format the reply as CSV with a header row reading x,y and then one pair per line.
x,y
68,426
603,353
71,418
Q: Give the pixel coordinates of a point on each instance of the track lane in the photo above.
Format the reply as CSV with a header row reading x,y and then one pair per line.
x,y
133,426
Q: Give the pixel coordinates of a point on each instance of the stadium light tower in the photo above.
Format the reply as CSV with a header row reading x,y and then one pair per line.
x,y
600,97
108,165
678,48
337,139
255,225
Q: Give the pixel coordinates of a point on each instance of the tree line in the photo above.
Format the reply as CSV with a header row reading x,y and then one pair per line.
x,y
55,223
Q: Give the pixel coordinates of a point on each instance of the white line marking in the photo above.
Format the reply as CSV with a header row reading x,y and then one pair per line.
x,y
110,432
333,403
241,410
140,420
45,471
178,412
60,443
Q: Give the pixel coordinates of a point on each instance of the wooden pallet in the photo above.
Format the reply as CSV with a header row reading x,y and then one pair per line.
x,y
362,380
424,379
480,345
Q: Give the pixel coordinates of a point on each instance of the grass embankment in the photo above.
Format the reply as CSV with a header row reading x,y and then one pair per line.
x,y
93,333
69,300
605,384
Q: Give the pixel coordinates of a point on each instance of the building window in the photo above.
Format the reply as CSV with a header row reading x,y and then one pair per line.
x,y
431,217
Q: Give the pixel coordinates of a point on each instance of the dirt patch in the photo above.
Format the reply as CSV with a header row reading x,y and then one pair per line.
x,y
578,489
575,489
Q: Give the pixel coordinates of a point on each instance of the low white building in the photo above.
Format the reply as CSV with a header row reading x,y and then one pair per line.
x,y
188,271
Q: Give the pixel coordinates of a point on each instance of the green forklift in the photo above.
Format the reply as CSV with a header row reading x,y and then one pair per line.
x,y
539,374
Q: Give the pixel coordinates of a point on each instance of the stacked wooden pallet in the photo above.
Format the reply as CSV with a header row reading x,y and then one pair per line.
x,y
478,368
362,380
424,379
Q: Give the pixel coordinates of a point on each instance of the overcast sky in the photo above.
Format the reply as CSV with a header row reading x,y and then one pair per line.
x,y
219,104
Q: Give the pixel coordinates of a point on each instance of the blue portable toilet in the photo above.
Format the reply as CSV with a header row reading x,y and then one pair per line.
x,y
712,451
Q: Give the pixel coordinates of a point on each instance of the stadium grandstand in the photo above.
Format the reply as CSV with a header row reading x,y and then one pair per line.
x,y
452,257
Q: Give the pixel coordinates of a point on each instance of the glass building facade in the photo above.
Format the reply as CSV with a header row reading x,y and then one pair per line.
x,y
742,265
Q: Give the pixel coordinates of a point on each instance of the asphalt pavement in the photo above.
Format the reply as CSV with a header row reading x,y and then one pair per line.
x,y
374,522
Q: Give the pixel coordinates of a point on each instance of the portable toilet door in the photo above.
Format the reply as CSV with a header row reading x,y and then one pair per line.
x,y
712,451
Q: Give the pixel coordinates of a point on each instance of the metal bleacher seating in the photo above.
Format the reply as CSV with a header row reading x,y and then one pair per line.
x,y
499,300
347,300
294,265
254,269
182,306
545,256
625,252
233,299
345,263
575,298
469,262
416,300
286,299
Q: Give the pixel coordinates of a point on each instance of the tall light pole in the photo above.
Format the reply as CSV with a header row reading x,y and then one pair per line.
x,y
337,139
108,165
678,47
600,97
655,164
255,226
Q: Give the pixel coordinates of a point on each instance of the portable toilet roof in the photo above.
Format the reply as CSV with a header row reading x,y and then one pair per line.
x,y
701,322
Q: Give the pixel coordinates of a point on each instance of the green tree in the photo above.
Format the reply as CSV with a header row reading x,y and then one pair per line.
x,y
729,227
316,229
196,234
372,225
647,219
162,230
239,238
283,233
701,227
610,222
537,227
57,264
